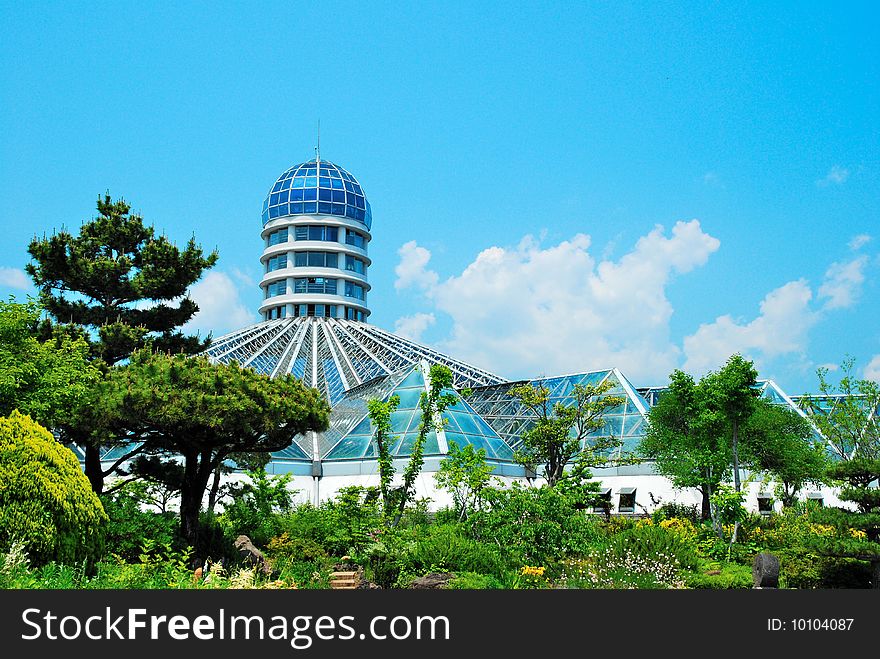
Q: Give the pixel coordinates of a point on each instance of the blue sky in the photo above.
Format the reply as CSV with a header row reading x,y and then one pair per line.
x,y
555,186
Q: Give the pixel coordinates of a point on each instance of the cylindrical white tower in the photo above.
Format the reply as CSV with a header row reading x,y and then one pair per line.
x,y
316,229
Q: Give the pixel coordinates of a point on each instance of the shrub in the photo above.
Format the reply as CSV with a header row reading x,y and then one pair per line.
x,y
255,507
473,581
673,510
646,540
446,549
129,524
533,526
720,576
45,499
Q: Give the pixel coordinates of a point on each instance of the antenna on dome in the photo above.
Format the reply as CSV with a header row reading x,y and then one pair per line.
x,y
318,147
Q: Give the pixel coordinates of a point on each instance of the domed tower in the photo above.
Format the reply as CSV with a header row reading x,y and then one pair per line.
x,y
316,229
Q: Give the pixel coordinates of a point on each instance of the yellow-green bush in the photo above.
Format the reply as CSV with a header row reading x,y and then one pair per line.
x,y
45,499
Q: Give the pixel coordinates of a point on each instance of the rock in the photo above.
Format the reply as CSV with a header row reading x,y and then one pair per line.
x,y
432,580
251,555
765,571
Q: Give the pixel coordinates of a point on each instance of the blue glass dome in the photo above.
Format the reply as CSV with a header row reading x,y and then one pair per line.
x,y
317,187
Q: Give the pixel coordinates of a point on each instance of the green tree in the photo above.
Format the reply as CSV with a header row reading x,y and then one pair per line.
x,y
465,475
190,409
432,404
45,500
779,441
560,431
684,440
126,287
847,416
47,380
731,394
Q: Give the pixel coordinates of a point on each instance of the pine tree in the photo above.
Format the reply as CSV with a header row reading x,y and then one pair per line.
x,y
126,288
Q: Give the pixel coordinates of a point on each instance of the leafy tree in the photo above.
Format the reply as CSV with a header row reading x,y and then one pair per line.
x,y
779,442
850,426
126,287
48,379
559,431
432,404
465,475
731,394
191,409
45,500
683,441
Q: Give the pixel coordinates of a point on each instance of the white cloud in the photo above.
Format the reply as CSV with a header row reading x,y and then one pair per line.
x,y
780,328
531,310
412,327
872,370
411,271
837,175
712,180
843,283
859,241
220,307
15,278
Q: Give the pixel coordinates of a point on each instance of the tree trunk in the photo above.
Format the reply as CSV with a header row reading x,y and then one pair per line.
x,y
215,489
737,485
93,469
196,473
705,510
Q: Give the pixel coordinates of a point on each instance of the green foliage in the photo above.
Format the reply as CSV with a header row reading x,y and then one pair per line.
x,y
202,412
45,500
559,431
300,560
673,510
353,519
255,506
684,440
646,540
432,405
465,475
46,380
95,279
129,523
720,576
446,549
779,441
473,581
533,525
123,288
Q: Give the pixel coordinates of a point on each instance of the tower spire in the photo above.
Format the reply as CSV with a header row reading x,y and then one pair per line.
x,y
318,146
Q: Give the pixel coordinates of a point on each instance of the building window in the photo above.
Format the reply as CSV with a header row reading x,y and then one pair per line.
x,y
765,503
314,285
276,312
276,263
316,259
354,290
276,288
310,232
277,237
354,264
354,314
356,239
603,501
627,500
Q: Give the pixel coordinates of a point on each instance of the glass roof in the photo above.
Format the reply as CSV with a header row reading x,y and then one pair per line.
x,y
351,432
317,187
509,418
